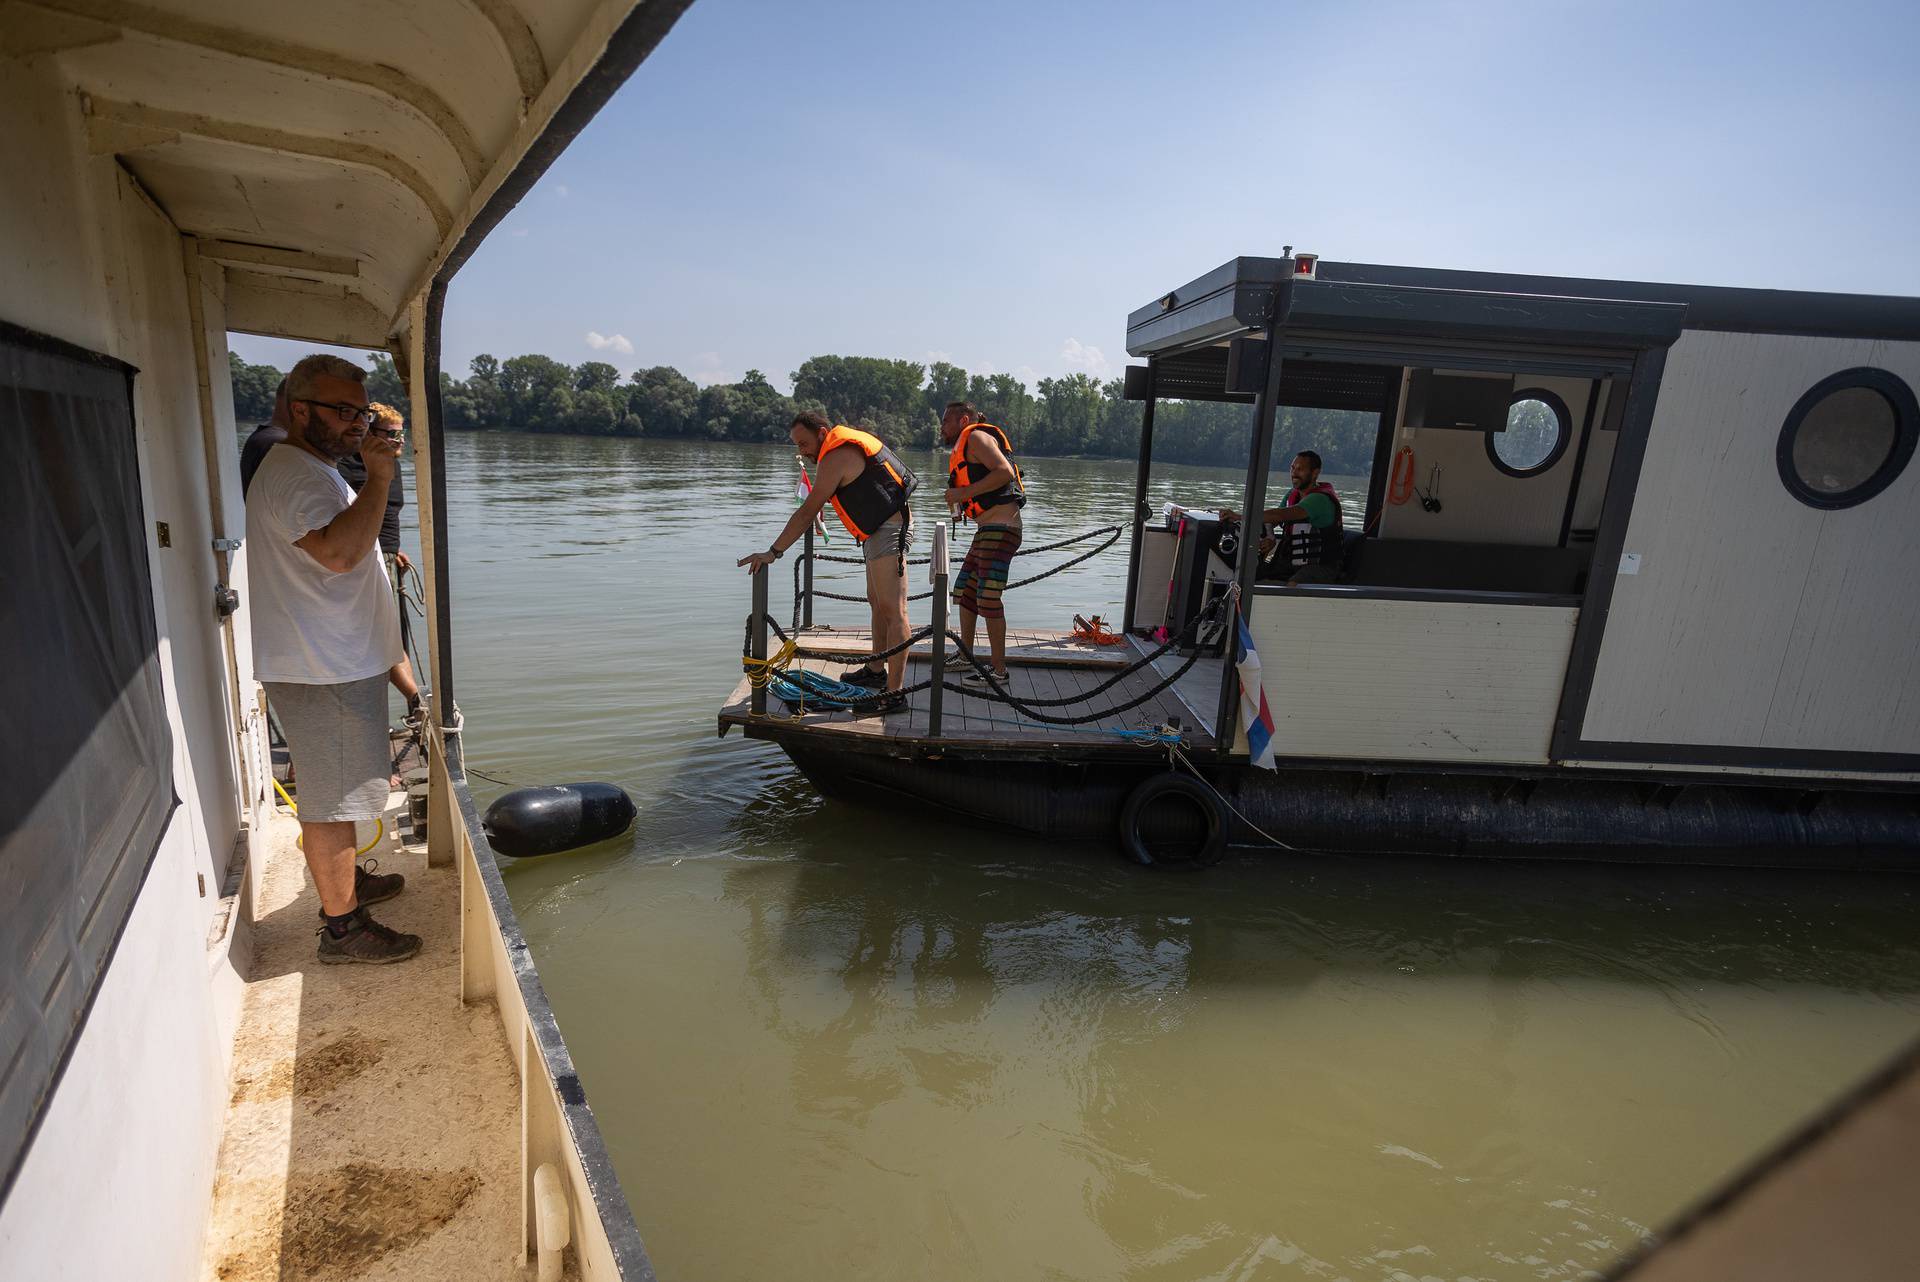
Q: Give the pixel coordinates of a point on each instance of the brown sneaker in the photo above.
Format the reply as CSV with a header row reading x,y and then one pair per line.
x,y
371,887
367,941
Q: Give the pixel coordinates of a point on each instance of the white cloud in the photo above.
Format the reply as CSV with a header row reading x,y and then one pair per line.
x,y
932,358
519,231
562,190
1089,360
1026,374
609,343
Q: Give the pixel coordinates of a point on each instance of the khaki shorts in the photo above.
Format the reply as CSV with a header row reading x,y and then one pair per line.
x,y
893,538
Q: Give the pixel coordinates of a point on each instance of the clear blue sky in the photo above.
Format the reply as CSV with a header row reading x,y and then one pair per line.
x,y
998,184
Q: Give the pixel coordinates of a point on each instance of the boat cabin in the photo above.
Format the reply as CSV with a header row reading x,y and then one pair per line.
x,y
1607,524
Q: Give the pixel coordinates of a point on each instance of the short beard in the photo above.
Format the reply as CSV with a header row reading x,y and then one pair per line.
x,y
333,445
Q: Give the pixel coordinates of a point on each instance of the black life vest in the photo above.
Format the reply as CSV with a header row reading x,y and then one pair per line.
x,y
882,489
1303,545
962,473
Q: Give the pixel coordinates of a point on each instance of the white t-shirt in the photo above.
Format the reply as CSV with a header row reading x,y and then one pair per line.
x,y
312,626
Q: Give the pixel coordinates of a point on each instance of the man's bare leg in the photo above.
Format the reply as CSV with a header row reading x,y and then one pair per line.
x,y
887,594
880,617
997,639
329,850
968,622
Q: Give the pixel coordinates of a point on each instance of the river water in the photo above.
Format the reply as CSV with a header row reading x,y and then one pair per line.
x,y
825,1041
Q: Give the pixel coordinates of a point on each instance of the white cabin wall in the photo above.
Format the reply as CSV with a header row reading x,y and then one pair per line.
x,y
157,336
118,1179
1756,621
1412,680
1478,502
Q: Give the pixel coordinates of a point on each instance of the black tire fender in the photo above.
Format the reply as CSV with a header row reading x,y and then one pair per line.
x,y
1155,788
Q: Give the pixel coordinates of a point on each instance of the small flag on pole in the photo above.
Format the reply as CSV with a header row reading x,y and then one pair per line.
x,y
1253,696
801,489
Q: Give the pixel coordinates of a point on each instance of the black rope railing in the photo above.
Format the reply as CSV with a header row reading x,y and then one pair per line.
x,y
1111,531
927,560
1029,708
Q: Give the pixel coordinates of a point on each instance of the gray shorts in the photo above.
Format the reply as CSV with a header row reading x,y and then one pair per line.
x,y
337,735
893,538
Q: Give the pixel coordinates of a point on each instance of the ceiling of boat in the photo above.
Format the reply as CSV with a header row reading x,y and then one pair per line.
x,y
332,154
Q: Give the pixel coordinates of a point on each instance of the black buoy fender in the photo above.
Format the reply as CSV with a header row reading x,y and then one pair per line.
x,y
1186,793
546,821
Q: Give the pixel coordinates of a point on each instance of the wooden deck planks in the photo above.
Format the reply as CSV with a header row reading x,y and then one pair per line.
x,y
974,720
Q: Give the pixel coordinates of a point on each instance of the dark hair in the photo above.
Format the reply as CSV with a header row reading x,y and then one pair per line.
x,y
1313,460
813,419
965,407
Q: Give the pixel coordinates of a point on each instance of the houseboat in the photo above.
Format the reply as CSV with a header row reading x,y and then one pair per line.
x,y
1633,579
184,1093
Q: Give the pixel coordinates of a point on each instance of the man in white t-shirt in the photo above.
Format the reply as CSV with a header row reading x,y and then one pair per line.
x,y
325,633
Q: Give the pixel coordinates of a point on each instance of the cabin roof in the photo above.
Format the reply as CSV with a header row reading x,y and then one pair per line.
x,y
1237,297
336,157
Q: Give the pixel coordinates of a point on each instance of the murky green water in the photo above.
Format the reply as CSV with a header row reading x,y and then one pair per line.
x,y
831,1042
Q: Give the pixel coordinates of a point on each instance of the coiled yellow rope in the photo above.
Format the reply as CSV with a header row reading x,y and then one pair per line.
x,y
761,671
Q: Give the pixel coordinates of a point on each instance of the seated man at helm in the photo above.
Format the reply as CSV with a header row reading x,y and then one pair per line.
x,y
868,486
1305,543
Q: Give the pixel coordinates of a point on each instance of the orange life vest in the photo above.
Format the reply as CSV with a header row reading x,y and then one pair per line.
x,y
882,488
962,473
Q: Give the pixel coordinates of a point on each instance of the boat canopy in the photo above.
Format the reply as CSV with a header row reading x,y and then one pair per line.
x,y
336,157
1356,306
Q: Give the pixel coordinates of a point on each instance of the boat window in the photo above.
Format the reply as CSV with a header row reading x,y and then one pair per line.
x,y
1538,428
1848,438
86,783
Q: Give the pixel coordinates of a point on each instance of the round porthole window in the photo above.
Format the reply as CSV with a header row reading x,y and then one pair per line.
x,y
1848,438
1538,429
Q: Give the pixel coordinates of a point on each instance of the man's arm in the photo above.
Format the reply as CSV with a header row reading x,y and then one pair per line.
x,y
837,469
344,542
983,450
1272,516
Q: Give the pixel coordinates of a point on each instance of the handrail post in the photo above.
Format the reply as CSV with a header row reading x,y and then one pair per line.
x,y
757,641
806,574
937,691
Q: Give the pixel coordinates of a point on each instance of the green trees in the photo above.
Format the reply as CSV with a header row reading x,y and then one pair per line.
x,y
898,400
254,387
882,396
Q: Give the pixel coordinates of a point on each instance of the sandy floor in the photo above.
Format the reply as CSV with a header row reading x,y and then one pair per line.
x,y
373,1127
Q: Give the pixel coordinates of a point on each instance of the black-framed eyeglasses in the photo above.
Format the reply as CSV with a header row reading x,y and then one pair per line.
x,y
345,412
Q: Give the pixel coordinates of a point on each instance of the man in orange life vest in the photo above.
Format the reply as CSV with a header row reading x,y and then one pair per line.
x,y
984,484
1306,544
868,486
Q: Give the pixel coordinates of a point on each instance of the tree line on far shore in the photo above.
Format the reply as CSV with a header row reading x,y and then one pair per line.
x,y
899,401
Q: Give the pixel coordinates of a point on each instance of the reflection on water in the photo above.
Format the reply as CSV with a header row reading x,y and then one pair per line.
x,y
826,1041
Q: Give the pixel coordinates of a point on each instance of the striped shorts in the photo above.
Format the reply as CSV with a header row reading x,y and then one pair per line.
x,y
983,575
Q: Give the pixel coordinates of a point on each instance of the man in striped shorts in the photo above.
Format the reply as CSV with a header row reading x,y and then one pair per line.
x,y
985,484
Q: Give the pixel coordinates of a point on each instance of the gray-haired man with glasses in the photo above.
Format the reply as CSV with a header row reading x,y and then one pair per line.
x,y
325,633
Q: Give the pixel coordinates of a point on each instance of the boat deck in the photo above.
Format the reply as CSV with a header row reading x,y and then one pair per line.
x,y
1041,665
373,1121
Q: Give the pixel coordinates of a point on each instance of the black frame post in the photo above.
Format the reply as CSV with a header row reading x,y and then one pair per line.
x,y
1247,565
757,642
937,691
1137,518
806,579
